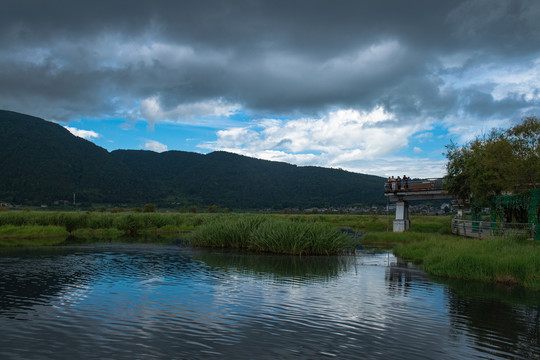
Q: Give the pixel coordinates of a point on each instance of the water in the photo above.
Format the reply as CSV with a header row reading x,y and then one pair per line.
x,y
169,302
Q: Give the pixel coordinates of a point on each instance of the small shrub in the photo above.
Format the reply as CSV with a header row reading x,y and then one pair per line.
x,y
149,208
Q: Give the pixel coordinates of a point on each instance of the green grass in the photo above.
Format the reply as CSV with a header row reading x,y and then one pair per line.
x,y
31,231
129,223
31,235
503,259
508,260
134,222
392,238
271,234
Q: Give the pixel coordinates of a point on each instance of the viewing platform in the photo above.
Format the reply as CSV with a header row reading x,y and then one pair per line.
x,y
402,191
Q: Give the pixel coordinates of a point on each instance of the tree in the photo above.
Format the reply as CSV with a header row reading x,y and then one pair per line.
x,y
525,140
503,161
457,180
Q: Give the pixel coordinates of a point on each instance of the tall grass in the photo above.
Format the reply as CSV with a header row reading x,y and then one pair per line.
x,y
129,223
502,259
134,222
268,234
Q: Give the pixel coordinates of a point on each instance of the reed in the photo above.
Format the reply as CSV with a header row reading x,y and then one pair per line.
x,y
268,234
233,231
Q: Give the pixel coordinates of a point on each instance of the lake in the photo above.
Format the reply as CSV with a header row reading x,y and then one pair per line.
x,y
127,301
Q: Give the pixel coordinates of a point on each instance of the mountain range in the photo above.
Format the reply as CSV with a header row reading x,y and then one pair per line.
x,y
41,163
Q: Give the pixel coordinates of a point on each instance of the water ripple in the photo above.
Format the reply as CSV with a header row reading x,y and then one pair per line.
x,y
170,302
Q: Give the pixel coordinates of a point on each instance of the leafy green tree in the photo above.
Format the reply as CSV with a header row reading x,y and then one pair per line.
x,y
525,140
503,161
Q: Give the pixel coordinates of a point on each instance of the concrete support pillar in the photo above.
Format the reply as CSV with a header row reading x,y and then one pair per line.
x,y
402,222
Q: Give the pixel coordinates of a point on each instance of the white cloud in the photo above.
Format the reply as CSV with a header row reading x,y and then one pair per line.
x,y
500,80
463,128
520,80
416,149
344,138
85,134
402,165
155,146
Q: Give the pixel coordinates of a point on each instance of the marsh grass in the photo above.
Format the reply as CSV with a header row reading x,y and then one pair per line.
x,y
271,234
136,222
431,224
375,222
500,259
31,235
31,231
129,223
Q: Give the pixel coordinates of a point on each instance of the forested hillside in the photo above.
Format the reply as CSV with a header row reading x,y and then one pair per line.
x,y
42,162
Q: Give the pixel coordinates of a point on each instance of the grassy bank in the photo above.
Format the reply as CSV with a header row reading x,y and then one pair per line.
x,y
271,234
507,260
282,234
428,243
31,235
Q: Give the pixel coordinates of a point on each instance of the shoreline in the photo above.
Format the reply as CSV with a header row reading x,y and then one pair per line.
x,y
507,260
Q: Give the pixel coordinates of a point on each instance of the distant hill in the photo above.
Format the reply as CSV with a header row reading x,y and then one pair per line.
x,y
42,162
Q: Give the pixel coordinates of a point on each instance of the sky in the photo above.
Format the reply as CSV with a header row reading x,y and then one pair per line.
x,y
375,87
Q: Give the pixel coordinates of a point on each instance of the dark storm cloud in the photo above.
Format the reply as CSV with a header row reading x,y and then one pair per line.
x,y
65,59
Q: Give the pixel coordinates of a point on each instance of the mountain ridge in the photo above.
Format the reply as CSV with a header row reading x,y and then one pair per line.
x,y
43,162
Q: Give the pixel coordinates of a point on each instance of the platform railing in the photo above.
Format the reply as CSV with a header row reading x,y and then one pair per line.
x,y
484,229
413,185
